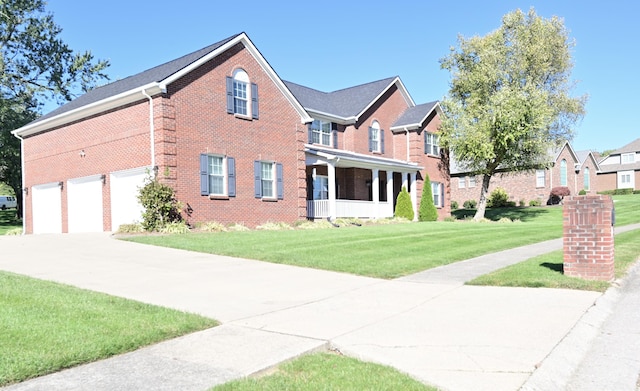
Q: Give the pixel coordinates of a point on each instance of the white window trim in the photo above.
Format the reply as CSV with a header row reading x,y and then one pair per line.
x,y
433,143
320,132
225,176
541,180
240,76
472,181
375,137
321,179
626,185
632,156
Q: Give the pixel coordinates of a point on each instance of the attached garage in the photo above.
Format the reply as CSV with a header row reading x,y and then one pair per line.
x,y
125,207
84,204
47,208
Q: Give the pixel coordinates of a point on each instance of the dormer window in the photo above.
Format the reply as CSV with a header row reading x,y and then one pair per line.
x,y
323,132
628,158
242,95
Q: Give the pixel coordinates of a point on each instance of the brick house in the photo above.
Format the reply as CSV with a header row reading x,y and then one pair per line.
x,y
621,169
235,142
575,170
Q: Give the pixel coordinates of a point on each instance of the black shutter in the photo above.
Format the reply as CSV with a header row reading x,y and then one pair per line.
x,y
310,130
370,139
381,141
229,95
254,101
204,174
279,183
231,176
426,145
334,134
257,178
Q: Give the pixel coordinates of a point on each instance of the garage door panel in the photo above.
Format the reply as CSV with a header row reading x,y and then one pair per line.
x,y
46,205
125,206
84,204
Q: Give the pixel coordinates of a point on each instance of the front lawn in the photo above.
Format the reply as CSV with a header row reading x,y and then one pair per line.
x,y
384,251
546,270
45,327
325,371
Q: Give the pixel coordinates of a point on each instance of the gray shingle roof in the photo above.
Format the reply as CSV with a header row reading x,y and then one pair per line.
x,y
607,168
415,114
344,103
633,146
155,74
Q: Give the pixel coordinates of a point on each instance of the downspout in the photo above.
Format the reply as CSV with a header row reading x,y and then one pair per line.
x,y
24,221
151,130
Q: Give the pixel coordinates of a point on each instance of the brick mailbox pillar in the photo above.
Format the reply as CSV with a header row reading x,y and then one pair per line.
x,y
588,237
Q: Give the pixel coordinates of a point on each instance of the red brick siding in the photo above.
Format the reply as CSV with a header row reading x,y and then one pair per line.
x,y
202,125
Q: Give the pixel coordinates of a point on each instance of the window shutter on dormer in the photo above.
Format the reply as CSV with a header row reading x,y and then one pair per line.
x,y
381,141
370,139
231,176
229,95
257,178
254,101
204,174
334,134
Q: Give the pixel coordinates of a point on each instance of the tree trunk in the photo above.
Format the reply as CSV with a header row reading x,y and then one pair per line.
x,y
482,203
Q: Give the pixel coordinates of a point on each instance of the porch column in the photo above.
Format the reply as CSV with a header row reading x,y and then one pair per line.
x,y
405,181
389,193
414,196
375,192
331,183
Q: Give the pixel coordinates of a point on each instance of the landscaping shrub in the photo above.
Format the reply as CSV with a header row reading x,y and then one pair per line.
x,y
558,194
212,226
237,227
274,226
470,204
510,204
454,205
535,203
160,205
130,229
498,198
403,205
582,192
522,203
450,219
427,211
175,227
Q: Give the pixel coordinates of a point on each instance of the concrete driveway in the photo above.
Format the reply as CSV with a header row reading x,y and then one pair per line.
x,y
453,336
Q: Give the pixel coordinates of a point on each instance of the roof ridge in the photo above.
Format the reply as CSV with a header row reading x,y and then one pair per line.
x,y
364,84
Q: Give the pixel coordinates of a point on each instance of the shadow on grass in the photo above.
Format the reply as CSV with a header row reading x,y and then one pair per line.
x,y
523,214
556,267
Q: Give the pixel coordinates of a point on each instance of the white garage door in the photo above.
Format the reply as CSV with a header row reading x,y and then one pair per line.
x,y
46,204
84,204
125,207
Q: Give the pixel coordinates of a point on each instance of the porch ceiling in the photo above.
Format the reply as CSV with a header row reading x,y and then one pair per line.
x,y
345,159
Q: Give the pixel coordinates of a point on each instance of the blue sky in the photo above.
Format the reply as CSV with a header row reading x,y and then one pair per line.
x,y
331,45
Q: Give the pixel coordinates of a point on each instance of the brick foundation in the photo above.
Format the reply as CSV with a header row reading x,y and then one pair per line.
x,y
588,237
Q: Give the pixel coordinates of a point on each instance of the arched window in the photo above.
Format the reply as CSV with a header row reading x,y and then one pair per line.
x,y
376,138
242,95
563,172
587,179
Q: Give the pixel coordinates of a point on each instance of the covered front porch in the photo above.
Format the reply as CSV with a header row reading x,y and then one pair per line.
x,y
343,184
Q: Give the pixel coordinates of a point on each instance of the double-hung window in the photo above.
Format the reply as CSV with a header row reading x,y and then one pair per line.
x,y
376,138
322,132
587,178
321,188
431,144
217,176
462,182
563,172
268,180
540,178
242,95
437,189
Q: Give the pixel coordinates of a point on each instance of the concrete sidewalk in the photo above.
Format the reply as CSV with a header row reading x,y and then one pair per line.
x,y
453,336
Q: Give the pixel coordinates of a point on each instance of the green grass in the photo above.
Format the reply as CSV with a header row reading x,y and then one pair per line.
x,y
627,208
546,270
325,371
8,221
45,327
384,251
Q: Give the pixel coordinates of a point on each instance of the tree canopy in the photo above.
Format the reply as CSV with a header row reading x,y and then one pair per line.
x,y
35,66
510,99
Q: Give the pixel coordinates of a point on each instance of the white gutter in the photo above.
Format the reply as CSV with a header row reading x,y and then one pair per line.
x,y
151,129
24,221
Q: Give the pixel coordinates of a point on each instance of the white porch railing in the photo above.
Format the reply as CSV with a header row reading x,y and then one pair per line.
x,y
349,208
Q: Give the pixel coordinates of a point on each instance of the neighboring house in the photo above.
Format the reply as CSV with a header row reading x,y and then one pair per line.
x,y
235,142
575,170
621,169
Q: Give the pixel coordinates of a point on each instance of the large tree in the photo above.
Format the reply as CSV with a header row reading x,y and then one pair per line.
x,y
510,98
35,66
